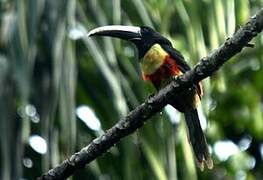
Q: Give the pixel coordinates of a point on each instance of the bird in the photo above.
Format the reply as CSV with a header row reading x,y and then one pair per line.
x,y
160,63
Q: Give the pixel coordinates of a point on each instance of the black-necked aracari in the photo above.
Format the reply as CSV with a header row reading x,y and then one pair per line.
x,y
160,63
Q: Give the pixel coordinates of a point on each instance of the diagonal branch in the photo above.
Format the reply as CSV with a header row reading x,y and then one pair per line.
x,y
136,118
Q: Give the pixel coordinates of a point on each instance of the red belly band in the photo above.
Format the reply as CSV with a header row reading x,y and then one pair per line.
x,y
167,69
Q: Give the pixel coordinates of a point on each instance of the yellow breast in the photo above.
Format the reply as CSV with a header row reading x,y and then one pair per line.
x,y
153,59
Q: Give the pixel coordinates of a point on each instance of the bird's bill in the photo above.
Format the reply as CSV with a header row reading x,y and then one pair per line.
x,y
123,32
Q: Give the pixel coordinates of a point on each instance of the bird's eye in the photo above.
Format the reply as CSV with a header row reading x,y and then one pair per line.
x,y
146,29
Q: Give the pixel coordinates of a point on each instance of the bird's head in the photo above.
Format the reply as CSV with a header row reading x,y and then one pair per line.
x,y
143,37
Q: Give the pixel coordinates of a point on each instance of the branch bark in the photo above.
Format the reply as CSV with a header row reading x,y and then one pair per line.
x,y
136,118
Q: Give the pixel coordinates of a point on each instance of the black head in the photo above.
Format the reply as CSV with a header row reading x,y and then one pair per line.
x,y
149,37
143,37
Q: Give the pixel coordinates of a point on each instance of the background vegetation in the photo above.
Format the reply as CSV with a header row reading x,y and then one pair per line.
x,y
57,94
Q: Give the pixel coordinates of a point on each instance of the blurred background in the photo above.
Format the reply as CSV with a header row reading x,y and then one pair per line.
x,y
59,91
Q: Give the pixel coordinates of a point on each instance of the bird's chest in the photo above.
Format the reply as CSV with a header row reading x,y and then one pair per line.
x,y
158,67
153,59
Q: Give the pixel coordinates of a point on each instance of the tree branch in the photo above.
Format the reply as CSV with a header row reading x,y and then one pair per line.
x,y
136,118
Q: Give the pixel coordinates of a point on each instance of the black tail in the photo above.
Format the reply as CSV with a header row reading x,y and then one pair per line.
x,y
197,139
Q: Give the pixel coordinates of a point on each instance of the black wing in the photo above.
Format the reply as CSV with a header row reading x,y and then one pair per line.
x,y
182,64
178,57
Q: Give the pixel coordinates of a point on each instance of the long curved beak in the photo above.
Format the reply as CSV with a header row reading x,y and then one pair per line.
x,y
129,33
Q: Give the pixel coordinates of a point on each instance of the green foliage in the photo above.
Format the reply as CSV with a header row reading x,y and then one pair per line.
x,y
45,76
